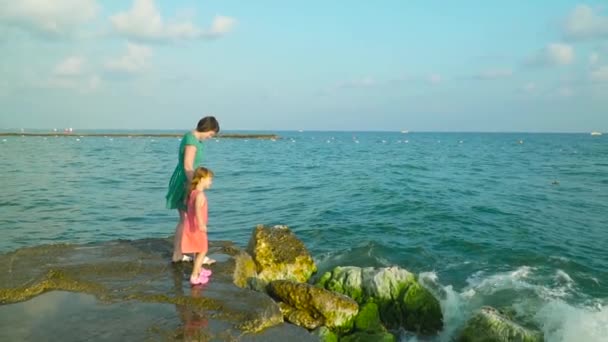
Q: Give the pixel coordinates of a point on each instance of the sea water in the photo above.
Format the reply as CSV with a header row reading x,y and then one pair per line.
x,y
517,221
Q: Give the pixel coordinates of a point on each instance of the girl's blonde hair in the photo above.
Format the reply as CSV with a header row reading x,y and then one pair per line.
x,y
199,174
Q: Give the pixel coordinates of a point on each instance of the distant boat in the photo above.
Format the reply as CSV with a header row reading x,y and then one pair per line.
x,y
405,131
596,133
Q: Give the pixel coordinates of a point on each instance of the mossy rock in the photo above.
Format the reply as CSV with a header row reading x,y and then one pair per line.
x,y
368,319
279,254
368,284
488,324
244,270
337,311
421,310
300,318
325,334
361,336
389,288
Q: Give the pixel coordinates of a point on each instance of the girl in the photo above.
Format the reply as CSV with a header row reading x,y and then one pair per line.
x,y
194,237
190,156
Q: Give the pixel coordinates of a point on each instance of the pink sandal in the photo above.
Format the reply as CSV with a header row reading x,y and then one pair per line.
x,y
202,279
206,272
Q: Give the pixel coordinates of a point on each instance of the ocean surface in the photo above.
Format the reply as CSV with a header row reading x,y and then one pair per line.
x,y
517,221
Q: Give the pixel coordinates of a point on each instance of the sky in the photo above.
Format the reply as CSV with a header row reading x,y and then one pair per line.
x,y
395,65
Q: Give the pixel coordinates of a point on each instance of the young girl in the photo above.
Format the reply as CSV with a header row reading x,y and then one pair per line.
x,y
194,238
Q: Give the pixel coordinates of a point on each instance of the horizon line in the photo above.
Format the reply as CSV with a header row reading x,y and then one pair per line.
x,y
51,130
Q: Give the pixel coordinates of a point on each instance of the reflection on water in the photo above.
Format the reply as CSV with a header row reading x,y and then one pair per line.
x,y
68,316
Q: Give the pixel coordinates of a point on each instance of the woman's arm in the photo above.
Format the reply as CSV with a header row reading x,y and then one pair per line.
x,y
189,154
198,203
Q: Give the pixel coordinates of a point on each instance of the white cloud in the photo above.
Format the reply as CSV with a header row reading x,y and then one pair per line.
x,y
57,17
82,84
366,82
69,74
144,22
435,79
553,54
584,23
492,74
530,87
565,91
221,25
133,61
71,66
94,82
594,58
600,74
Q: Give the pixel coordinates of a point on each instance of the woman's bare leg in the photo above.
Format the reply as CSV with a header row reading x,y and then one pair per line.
x,y
177,239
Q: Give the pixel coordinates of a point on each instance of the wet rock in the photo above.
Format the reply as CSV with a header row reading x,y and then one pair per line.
x,y
140,272
281,333
325,334
369,337
244,270
488,324
368,319
421,310
279,254
300,318
400,299
336,311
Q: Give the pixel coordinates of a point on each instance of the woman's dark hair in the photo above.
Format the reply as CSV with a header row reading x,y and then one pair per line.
x,y
208,123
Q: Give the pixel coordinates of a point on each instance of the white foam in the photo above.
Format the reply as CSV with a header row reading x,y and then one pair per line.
x,y
563,277
562,322
543,306
454,306
500,281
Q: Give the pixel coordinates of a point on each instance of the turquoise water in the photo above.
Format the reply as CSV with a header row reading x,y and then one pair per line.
x,y
517,221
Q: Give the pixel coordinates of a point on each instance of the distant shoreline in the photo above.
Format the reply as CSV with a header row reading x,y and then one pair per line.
x,y
131,135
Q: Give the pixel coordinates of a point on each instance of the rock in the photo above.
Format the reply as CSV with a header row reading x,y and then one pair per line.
x,y
279,254
140,274
368,319
301,318
244,270
337,311
369,337
278,333
363,284
488,324
422,310
325,335
389,288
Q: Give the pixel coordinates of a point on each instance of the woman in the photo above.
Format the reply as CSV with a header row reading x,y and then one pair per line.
x,y
190,156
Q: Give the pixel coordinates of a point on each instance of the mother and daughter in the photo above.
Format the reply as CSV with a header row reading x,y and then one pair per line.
x,y
186,193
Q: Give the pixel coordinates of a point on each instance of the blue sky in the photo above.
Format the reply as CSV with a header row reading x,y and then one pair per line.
x,y
313,65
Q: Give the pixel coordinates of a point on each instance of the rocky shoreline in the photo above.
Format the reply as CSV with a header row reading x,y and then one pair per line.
x,y
270,291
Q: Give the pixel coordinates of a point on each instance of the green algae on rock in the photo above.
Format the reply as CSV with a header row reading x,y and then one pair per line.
x,y
421,310
337,311
244,270
361,336
488,324
389,288
368,319
300,318
279,254
325,334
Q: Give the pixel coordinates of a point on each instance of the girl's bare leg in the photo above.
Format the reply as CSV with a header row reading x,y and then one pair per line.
x,y
198,264
177,240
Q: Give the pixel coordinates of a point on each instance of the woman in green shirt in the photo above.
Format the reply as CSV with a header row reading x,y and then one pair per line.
x,y
190,156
